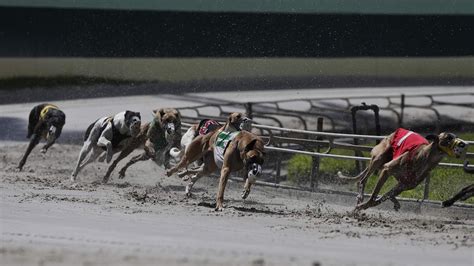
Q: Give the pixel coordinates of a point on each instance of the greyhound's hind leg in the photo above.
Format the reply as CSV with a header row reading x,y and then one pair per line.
x,y
82,155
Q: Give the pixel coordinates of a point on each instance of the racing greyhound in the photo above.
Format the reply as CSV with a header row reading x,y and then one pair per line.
x,y
45,121
109,134
228,149
409,158
156,138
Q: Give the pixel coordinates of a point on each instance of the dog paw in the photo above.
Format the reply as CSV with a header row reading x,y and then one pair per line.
x,y
219,208
121,175
43,151
245,193
187,191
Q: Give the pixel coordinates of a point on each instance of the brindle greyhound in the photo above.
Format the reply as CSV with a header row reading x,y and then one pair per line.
x,y
409,158
245,149
156,138
465,193
45,121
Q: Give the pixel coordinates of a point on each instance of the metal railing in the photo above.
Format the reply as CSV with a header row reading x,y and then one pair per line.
x,y
274,144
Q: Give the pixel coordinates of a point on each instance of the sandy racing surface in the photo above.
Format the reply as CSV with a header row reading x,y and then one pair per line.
x,y
145,219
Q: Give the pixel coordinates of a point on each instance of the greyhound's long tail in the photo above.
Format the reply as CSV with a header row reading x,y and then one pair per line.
x,y
341,176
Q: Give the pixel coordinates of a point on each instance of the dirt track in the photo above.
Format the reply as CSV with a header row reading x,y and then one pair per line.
x,y
145,219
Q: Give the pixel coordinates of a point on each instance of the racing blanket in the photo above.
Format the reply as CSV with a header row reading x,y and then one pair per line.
x,y
207,125
222,141
406,141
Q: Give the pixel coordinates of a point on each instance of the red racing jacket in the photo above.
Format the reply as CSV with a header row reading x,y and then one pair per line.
x,y
406,141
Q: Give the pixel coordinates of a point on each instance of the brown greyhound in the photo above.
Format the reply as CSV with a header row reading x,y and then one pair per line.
x,y
238,149
465,193
409,158
156,137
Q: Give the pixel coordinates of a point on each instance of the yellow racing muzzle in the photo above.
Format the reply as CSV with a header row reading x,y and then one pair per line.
x,y
456,149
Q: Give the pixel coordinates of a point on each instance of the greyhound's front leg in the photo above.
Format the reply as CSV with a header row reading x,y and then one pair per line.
x,y
225,171
395,191
141,157
34,141
104,142
122,155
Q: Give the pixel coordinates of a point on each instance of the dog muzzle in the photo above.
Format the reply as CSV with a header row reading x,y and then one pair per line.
x,y
254,172
51,133
246,124
456,149
170,128
135,128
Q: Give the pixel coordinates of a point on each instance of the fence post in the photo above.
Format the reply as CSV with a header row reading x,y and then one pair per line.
x,y
402,109
316,160
358,164
248,110
378,129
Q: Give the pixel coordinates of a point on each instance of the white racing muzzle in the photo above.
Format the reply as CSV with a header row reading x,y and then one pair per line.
x,y
254,172
169,127
135,126
246,124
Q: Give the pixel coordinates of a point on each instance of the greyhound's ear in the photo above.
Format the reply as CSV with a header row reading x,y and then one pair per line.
x,y
159,112
432,138
250,145
177,114
128,114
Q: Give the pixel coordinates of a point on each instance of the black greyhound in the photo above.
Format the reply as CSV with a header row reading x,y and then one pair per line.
x,y
45,121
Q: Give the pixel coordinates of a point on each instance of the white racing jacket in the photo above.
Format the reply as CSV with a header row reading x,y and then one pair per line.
x,y
222,141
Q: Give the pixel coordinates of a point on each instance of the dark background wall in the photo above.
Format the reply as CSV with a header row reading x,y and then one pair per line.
x,y
59,32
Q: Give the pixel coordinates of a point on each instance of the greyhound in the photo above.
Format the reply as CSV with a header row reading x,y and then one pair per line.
x,y
228,149
45,121
409,158
109,134
156,137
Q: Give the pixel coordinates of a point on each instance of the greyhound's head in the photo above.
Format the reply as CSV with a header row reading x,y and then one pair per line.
x,y
55,120
449,143
133,122
169,119
239,121
252,156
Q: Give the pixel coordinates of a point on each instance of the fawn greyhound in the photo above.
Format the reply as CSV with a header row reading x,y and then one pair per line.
x,y
229,149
